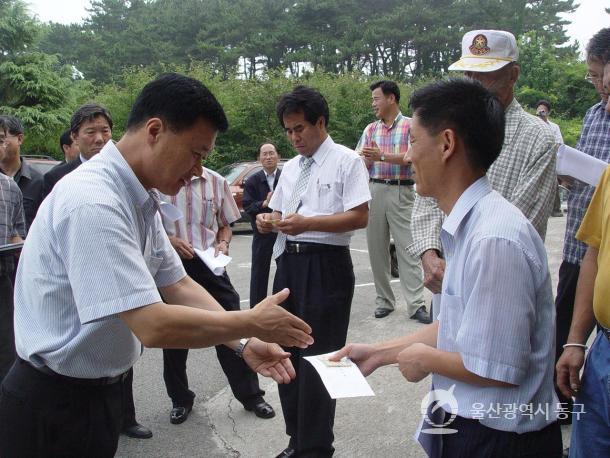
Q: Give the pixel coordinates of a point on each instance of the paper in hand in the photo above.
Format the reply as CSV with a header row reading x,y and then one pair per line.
x,y
579,165
216,264
342,379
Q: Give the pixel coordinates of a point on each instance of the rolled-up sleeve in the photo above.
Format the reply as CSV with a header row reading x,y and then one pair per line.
x,y
499,310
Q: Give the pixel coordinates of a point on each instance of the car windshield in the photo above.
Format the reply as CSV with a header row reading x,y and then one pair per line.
x,y
231,172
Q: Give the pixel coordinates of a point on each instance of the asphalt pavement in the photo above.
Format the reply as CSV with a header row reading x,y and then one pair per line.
x,y
379,426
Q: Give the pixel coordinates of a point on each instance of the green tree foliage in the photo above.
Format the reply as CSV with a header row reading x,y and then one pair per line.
x,y
34,86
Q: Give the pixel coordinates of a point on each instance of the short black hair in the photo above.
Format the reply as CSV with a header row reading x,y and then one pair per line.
x,y
474,113
258,150
12,125
179,101
599,45
546,103
3,127
306,100
65,139
387,87
88,112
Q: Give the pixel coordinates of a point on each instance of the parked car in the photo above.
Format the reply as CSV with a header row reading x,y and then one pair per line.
x,y
236,175
41,163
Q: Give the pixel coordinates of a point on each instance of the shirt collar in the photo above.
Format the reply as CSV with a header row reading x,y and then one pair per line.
x,y
398,117
272,174
512,124
322,152
469,198
139,194
24,171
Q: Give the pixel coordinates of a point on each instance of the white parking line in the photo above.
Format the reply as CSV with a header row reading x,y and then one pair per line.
x,y
361,285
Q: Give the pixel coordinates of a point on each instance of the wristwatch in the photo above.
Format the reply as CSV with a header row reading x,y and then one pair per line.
x,y
239,351
382,157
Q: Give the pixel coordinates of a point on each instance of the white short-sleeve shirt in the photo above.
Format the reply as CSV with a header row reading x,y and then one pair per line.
x,y
338,183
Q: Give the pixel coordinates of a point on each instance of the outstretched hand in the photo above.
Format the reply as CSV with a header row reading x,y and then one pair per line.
x,y
269,360
272,323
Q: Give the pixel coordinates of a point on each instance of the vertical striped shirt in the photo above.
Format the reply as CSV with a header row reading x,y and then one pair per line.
x,y
497,312
207,205
338,183
12,222
595,141
524,174
96,248
391,140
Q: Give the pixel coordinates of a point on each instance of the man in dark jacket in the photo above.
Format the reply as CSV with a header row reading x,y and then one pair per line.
x,y
90,129
258,190
15,166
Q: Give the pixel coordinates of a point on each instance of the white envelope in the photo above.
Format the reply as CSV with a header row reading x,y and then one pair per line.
x,y
341,382
216,264
579,165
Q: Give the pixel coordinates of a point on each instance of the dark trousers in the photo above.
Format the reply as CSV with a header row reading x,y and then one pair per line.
x,y
41,416
473,440
129,409
262,249
7,336
321,290
564,306
243,381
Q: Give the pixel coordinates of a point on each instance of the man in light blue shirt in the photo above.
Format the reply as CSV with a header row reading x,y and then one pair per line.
x,y
92,273
490,349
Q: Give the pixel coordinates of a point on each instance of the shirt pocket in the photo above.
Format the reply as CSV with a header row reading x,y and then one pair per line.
x,y
330,197
450,321
208,213
154,263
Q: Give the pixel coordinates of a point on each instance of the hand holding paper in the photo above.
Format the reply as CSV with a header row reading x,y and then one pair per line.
x,y
341,381
216,264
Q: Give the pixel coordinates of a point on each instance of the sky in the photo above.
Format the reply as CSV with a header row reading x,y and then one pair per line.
x,y
586,20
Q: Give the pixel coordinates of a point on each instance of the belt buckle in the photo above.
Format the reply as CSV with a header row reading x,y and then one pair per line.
x,y
297,247
387,182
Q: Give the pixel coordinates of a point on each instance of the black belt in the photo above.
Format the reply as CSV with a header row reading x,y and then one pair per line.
x,y
311,247
103,381
407,182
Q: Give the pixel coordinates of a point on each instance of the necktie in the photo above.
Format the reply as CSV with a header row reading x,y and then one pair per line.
x,y
293,203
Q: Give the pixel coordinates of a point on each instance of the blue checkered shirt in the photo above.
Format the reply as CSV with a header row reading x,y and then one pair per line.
x,y
594,141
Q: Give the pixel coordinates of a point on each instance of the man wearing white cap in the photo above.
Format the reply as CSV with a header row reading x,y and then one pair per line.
x,y
524,173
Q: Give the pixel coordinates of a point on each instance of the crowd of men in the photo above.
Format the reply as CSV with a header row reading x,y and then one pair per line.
x,y
141,213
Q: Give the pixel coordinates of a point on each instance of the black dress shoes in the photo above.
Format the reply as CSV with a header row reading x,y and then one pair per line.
x,y
179,414
422,316
288,452
137,431
382,313
261,409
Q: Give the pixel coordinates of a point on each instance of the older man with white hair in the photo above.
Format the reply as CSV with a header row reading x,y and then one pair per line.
x,y
524,173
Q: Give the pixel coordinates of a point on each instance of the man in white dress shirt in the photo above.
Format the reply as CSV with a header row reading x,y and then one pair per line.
x,y
321,198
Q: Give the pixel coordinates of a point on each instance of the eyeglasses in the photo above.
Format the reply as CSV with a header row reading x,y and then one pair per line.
x,y
593,79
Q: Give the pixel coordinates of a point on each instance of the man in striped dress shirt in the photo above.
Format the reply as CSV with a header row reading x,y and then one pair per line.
x,y
383,145
91,275
491,350
209,209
